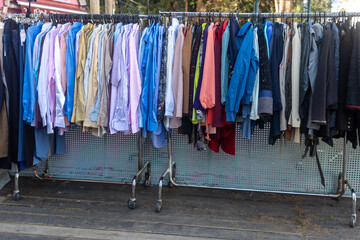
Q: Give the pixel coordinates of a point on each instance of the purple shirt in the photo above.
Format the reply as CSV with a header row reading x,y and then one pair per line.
x,y
115,79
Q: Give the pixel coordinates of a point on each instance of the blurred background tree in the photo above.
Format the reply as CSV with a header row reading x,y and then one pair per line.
x,y
131,6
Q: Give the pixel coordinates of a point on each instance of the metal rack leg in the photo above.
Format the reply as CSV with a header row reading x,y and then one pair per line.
x,y
136,179
353,208
346,183
138,176
170,170
159,201
16,192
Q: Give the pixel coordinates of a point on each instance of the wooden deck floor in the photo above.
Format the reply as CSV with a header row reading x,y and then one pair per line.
x,y
76,210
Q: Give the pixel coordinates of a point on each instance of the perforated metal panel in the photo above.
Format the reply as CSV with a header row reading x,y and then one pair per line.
x,y
256,165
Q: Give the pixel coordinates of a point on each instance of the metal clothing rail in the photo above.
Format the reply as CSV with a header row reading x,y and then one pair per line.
x,y
343,181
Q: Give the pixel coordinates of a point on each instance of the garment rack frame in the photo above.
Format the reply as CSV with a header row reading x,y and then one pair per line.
x,y
343,181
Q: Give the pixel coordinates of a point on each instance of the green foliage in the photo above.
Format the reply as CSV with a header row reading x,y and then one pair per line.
x,y
219,6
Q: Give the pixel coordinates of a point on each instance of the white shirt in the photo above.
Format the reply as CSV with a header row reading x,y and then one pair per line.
x,y
169,95
42,86
255,95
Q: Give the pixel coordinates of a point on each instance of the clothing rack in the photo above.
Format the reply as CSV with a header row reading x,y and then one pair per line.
x,y
343,181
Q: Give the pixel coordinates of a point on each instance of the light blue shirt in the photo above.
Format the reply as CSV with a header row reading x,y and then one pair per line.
x,y
159,136
140,59
117,32
225,64
71,67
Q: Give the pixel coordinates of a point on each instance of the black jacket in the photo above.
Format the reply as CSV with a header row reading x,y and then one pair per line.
x,y
353,96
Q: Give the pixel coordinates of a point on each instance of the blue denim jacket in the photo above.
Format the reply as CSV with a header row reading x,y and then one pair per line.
x,y
242,81
28,100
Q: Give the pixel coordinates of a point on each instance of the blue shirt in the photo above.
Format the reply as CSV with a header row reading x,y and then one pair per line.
x,y
158,136
28,100
117,32
243,78
71,67
140,60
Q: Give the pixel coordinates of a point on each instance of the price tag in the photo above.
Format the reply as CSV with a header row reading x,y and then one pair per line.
x,y
22,36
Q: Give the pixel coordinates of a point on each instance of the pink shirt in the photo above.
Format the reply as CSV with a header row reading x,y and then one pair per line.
x,y
177,80
51,74
207,92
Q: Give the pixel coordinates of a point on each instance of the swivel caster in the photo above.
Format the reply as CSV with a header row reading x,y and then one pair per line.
x,y
147,180
158,206
352,221
131,204
16,196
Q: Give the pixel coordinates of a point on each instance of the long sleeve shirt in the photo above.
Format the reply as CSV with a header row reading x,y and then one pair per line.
x,y
29,79
207,92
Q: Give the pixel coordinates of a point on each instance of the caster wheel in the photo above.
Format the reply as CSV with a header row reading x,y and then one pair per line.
x,y
158,207
16,196
352,221
147,180
131,204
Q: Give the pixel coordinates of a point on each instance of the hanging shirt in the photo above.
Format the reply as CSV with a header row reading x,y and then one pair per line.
x,y
169,94
282,74
79,91
255,95
121,121
115,77
106,70
59,59
294,119
177,80
71,60
77,44
29,79
134,78
88,62
42,86
103,40
158,137
92,81
197,104
194,119
225,64
141,70
207,92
